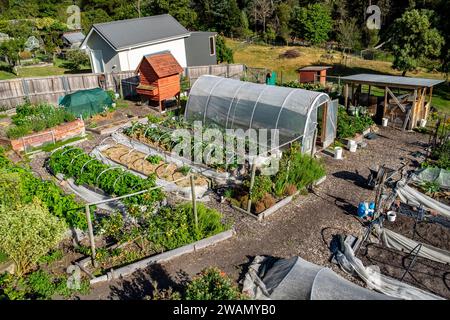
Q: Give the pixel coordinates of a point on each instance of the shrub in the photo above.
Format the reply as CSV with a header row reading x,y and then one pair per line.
x,y
34,118
290,54
19,185
300,170
212,284
76,59
261,186
27,233
348,126
173,227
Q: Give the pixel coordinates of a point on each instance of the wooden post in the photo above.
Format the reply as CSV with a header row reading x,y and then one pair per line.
x,y
252,182
91,235
368,96
194,200
314,143
385,100
346,96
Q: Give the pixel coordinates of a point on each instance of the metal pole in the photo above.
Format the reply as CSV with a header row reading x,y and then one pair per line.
x,y
91,234
252,182
194,201
314,143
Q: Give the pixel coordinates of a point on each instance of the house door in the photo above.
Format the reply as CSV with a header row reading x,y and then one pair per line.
x,y
330,123
97,61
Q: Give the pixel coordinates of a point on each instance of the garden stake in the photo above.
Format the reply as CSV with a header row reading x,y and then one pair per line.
x,y
91,235
252,182
194,202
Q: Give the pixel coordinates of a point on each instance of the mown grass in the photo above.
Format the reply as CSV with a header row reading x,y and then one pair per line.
x,y
267,56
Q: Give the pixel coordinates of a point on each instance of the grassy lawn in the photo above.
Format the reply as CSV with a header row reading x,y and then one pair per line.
x,y
30,72
266,56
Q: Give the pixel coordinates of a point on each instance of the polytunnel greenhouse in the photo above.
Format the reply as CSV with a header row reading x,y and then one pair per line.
x,y
234,104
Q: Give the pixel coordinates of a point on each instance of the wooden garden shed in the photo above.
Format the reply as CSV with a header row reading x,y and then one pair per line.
x,y
159,78
313,74
404,101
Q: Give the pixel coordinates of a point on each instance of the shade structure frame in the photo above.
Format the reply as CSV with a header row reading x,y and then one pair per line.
x,y
234,104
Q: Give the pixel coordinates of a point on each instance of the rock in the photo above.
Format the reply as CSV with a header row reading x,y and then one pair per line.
x,y
8,266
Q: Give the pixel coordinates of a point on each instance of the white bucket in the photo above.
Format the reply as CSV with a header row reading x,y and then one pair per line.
x,y
338,153
391,216
384,122
352,145
423,123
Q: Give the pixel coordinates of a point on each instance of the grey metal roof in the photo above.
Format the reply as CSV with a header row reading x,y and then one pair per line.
x,y
74,37
123,34
314,68
379,79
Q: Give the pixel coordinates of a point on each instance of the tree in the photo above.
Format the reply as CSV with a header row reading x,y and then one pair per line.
x,y
76,59
179,9
224,53
27,232
312,23
262,10
349,34
283,16
11,49
414,39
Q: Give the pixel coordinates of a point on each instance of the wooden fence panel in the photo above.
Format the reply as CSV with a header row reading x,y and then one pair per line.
x,y
50,89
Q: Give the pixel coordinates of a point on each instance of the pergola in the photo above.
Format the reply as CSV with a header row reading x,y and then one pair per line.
x,y
409,108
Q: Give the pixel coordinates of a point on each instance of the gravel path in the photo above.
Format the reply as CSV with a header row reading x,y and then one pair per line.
x,y
303,228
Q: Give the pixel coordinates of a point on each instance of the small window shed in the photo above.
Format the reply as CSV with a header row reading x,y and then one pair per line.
x,y
234,104
159,78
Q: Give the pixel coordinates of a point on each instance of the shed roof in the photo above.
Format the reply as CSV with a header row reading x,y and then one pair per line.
x,y
74,37
395,81
164,64
124,34
314,68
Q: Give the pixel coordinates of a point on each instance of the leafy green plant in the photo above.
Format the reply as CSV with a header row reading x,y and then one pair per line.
x,y
34,118
28,232
19,185
173,227
348,126
52,256
261,186
74,163
154,159
213,284
185,170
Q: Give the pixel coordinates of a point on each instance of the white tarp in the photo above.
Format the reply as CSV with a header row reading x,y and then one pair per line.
x,y
377,281
399,242
414,197
270,278
436,175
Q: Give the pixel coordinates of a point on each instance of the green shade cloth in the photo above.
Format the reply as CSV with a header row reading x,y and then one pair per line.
x,y
86,103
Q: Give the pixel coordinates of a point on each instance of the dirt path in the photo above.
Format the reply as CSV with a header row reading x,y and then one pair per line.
x,y
303,228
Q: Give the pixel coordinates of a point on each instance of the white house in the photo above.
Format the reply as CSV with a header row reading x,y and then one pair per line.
x,y
120,45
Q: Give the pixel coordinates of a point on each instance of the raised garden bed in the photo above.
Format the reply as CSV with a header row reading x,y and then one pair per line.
x,y
61,132
168,175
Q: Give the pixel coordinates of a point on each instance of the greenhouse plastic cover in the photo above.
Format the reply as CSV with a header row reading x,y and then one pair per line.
x,y
234,104
436,175
270,278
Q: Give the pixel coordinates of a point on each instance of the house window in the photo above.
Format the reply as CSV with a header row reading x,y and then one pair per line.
x,y
212,46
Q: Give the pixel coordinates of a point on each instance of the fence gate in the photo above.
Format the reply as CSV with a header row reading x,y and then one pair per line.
x,y
331,123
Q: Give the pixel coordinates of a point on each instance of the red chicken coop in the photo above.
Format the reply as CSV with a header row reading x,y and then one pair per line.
x,y
159,78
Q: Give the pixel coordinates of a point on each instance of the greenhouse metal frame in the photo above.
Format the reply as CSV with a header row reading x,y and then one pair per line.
x,y
234,104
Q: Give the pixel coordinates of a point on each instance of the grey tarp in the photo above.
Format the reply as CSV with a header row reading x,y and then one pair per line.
x,y
297,279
